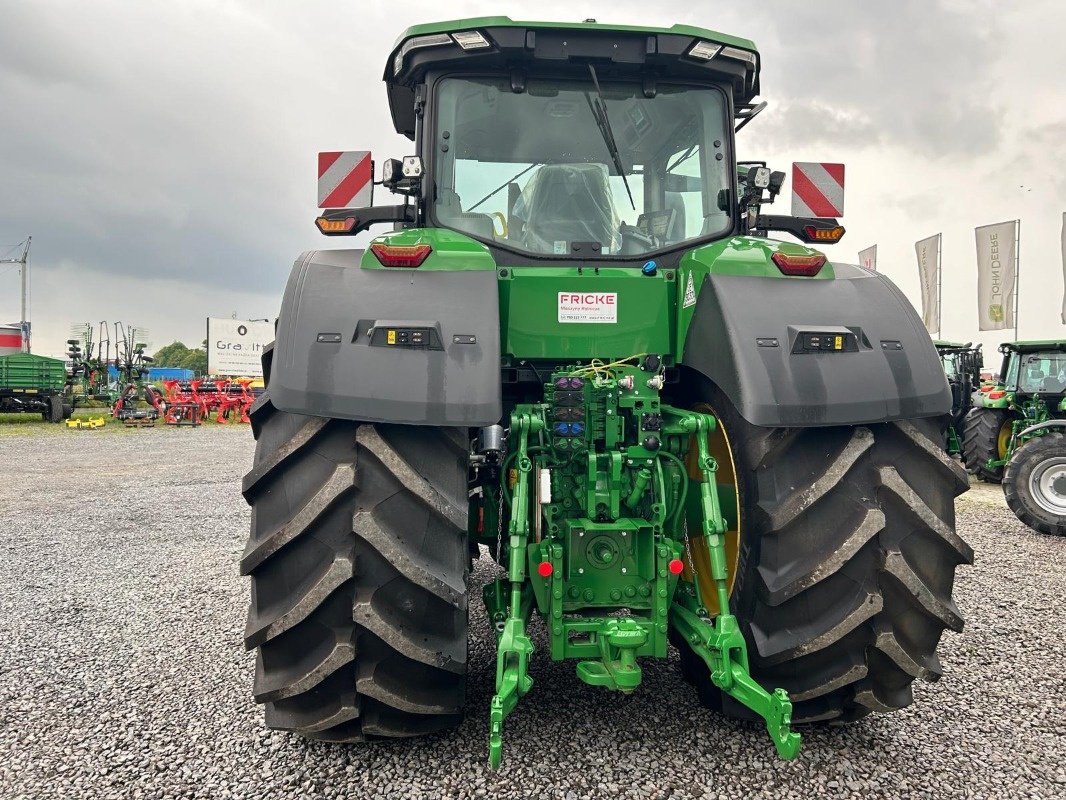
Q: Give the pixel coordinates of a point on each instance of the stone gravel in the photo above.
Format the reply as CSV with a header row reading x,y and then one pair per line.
x,y
122,672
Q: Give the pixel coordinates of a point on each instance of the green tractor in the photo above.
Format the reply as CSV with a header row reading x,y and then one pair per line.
x,y
1030,390
579,350
1015,433
962,367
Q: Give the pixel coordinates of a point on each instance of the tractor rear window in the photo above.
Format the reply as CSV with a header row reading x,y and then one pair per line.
x,y
544,172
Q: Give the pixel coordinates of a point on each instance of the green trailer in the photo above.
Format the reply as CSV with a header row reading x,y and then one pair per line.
x,y
35,385
578,348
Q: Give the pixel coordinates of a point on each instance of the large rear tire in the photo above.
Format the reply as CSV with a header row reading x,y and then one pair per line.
x,y
358,560
1034,484
982,440
846,563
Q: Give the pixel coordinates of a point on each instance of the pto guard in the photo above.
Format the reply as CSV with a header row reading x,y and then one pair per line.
x,y
334,355
750,334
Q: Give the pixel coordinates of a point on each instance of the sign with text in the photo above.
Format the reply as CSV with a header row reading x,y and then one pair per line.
x,y
868,258
995,275
588,307
928,253
235,346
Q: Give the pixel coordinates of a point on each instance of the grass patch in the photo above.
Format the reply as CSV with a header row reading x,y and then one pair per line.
x,y
32,424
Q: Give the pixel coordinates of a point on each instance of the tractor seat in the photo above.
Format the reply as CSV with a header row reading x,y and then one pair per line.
x,y
1052,385
569,203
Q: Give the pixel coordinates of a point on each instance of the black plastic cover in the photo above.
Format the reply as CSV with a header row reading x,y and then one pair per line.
x,y
744,337
357,375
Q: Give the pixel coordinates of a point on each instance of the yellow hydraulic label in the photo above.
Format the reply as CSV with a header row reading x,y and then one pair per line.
x,y
838,343
391,337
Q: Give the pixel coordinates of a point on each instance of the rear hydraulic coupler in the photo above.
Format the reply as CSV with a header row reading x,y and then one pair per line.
x,y
594,490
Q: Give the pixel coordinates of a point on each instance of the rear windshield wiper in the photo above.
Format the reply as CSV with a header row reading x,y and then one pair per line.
x,y
599,112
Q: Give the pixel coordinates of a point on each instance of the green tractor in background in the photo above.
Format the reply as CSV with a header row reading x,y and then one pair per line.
x,y
1014,433
1029,390
579,350
962,367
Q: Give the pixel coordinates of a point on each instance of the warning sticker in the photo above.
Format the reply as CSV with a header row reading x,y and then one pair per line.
x,y
690,293
588,307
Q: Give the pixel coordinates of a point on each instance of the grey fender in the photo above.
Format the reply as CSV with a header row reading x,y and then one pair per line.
x,y
1051,423
748,335
332,357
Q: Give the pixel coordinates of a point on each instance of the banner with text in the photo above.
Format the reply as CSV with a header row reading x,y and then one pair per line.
x,y
928,252
235,346
868,258
1064,267
995,275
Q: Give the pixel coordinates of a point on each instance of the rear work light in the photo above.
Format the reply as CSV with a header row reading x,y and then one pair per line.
x,y
704,51
470,40
799,265
401,255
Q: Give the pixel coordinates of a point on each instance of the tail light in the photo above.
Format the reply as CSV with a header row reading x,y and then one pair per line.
x,y
996,395
401,255
806,266
987,388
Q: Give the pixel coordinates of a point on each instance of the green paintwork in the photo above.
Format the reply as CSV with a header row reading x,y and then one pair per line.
x,y
473,23
652,317
25,372
451,250
529,313
599,465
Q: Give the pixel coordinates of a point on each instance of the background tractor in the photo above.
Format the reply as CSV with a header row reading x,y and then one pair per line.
x,y
962,367
1030,390
579,348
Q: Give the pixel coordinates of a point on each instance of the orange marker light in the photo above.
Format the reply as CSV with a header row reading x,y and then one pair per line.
x,y
824,234
335,225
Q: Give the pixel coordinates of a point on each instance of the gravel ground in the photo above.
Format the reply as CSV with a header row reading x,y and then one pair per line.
x,y
123,673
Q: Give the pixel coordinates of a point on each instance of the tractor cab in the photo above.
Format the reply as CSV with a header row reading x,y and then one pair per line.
x,y
1030,368
550,143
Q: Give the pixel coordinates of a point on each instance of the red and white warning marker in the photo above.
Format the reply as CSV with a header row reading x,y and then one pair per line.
x,y
817,189
345,179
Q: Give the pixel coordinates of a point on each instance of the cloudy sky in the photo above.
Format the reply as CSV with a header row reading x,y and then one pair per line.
x,y
162,154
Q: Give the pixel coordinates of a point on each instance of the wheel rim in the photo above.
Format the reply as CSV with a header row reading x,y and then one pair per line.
x,y
726,480
1047,485
1003,440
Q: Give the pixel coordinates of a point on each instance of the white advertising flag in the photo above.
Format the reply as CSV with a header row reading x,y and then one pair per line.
x,y
1064,267
868,258
928,252
995,275
235,346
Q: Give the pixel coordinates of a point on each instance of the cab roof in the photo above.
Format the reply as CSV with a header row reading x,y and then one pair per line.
x,y
1034,345
513,47
472,23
